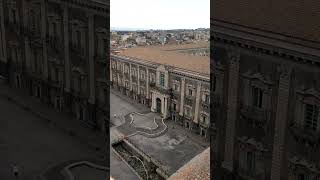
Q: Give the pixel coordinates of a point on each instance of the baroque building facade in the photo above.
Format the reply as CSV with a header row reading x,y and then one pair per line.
x,y
175,93
268,112
57,52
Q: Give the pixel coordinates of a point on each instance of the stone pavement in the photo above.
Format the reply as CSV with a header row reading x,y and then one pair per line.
x,y
62,120
41,140
172,149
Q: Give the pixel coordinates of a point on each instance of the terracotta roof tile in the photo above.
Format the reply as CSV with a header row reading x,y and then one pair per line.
x,y
196,168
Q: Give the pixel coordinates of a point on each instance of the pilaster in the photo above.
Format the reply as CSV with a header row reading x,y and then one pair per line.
x,y
280,121
3,55
67,65
147,83
232,107
130,76
43,36
183,84
138,78
91,58
163,100
197,106
165,114
110,69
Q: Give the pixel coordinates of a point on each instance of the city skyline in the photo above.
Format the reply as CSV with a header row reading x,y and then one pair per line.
x,y
160,15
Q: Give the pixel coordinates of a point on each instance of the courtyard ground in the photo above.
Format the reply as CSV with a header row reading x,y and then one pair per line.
x,y
42,141
173,148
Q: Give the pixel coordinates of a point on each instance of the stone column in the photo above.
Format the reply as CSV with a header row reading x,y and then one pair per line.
x,y
197,106
153,102
3,55
67,66
43,36
183,84
281,121
138,78
232,108
162,105
91,58
166,107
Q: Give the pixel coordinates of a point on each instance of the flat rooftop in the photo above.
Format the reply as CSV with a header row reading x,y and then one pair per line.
x,y
172,55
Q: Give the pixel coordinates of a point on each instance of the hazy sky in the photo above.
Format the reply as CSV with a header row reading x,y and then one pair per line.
x,y
160,14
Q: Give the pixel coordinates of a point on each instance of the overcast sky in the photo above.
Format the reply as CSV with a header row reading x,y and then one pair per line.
x,y
160,14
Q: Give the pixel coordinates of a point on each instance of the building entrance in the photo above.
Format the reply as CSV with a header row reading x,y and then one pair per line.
x,y
158,105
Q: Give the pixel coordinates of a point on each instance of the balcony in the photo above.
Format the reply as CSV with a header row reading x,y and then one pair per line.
x,y
189,98
77,49
204,124
78,94
301,134
162,90
258,116
152,84
189,101
134,78
205,106
55,43
13,27
55,83
142,82
32,33
176,94
127,75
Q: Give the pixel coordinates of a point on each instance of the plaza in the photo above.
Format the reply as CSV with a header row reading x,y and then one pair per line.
x,y
168,144
42,146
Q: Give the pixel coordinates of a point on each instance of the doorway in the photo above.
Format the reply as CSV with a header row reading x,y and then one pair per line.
x,y
158,105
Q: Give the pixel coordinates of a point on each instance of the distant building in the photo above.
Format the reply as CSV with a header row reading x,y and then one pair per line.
x,y
168,82
125,37
141,41
266,76
57,51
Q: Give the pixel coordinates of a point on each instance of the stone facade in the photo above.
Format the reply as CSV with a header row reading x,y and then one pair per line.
x,y
57,51
267,115
177,94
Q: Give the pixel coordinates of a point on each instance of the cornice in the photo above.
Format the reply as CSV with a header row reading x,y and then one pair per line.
x,y
172,69
267,45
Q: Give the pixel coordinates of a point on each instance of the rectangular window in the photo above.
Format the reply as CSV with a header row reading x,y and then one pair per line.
x,y
207,98
14,18
204,119
162,80
188,112
190,92
257,97
303,177
311,116
174,106
214,83
251,163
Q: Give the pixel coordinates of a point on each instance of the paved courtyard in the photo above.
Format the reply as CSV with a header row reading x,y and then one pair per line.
x,y
35,145
173,148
